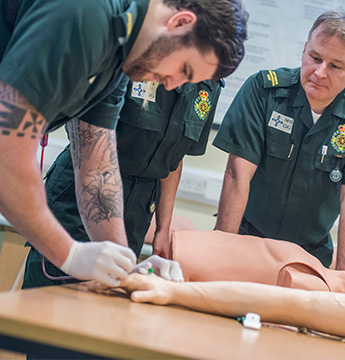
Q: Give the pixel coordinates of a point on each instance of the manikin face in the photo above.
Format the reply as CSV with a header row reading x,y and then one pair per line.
x,y
171,64
322,69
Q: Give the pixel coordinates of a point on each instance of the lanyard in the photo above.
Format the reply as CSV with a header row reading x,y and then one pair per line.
x,y
335,175
44,143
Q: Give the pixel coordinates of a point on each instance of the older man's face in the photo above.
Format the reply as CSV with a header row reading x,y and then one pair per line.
x,y
323,69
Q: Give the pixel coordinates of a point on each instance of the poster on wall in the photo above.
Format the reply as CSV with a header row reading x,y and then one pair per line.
x,y
277,31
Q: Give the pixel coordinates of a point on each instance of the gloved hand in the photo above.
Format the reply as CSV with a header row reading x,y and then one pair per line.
x,y
103,261
167,269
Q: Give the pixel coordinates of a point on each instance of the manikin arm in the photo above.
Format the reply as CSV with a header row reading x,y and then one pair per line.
x,y
316,310
235,192
164,212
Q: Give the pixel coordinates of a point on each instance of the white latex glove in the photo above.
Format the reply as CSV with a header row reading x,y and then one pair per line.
x,y
103,261
167,269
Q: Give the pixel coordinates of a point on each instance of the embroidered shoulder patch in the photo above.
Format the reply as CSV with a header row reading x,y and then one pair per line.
x,y
202,105
338,139
143,90
281,122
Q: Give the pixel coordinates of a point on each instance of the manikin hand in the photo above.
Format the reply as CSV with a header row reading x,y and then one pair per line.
x,y
104,261
167,269
148,288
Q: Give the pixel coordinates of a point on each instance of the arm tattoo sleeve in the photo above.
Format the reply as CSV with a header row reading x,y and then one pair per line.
x,y
104,193
17,115
101,197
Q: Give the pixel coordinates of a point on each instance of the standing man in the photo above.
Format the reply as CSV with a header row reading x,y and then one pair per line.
x,y
285,134
155,130
62,62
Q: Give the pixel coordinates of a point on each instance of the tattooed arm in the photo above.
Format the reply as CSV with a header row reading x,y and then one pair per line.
x,y
23,200
98,181
22,194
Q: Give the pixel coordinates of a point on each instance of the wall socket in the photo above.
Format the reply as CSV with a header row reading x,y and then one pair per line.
x,y
193,185
200,185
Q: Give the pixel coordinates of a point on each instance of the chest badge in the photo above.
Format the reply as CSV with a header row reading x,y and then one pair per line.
x,y
144,90
281,122
202,105
338,139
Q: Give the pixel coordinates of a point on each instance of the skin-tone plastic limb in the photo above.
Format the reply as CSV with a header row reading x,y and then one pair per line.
x,y
316,310
222,256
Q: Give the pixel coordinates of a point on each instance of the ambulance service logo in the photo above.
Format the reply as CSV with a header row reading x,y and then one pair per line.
x,y
202,105
144,90
338,139
281,122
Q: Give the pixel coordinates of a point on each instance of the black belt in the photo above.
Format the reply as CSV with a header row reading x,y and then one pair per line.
x,y
138,178
9,10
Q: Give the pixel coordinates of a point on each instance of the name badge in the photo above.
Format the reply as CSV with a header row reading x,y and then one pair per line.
x,y
281,122
144,90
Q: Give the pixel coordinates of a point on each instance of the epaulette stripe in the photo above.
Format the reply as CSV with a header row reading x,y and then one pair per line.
x,y
272,77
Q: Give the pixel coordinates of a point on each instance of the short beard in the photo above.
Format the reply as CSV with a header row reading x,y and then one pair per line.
x,y
153,55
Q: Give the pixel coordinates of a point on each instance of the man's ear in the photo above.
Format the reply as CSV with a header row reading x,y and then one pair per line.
x,y
181,22
305,46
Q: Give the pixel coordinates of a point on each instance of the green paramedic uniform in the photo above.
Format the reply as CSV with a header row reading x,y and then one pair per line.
x,y
65,56
292,196
151,144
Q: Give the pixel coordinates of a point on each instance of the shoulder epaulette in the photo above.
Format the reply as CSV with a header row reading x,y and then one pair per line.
x,y
124,22
278,78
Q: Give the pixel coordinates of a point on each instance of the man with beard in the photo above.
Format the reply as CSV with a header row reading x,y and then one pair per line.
x,y
156,128
285,134
62,62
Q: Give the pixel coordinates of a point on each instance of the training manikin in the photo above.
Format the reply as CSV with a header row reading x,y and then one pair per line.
x,y
231,275
218,256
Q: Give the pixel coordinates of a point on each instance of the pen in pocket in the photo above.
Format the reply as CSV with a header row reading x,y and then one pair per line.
x,y
324,152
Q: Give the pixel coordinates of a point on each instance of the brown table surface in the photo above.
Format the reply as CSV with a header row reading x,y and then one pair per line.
x,y
113,326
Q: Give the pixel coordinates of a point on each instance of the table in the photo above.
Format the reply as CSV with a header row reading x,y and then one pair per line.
x,y
72,318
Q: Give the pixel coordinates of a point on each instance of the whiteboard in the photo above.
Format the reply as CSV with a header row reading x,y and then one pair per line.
x,y
277,31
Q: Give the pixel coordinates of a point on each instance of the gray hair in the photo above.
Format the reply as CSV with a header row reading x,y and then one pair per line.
x,y
333,25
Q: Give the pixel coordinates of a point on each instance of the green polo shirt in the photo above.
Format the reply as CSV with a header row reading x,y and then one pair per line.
x,y
65,56
176,123
269,123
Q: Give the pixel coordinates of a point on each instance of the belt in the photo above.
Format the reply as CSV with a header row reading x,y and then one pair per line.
x,y
138,178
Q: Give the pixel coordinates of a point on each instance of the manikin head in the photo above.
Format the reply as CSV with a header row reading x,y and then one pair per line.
x,y
189,41
323,60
